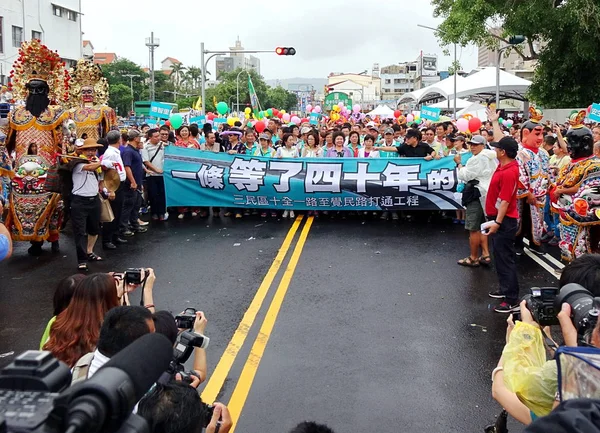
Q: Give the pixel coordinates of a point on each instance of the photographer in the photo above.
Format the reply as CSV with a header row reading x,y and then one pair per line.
x,y
177,408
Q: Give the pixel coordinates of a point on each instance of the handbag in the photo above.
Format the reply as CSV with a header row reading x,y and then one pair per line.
x,y
106,212
470,192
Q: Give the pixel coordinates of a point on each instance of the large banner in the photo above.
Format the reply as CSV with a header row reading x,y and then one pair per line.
x,y
203,178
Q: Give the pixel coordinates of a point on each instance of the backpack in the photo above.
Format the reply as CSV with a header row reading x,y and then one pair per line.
x,y
81,368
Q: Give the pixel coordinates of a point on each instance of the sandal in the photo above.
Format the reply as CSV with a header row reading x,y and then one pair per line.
x,y
485,260
94,258
82,267
469,262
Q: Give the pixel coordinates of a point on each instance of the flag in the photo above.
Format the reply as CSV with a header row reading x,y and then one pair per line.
x,y
215,102
198,104
253,97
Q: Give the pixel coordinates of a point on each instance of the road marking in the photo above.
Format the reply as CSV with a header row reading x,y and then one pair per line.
x,y
217,379
242,389
540,262
548,257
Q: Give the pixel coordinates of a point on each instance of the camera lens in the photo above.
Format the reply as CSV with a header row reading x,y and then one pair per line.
x,y
581,302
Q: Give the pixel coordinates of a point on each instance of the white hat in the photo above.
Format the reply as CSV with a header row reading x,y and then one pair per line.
x,y
369,124
79,142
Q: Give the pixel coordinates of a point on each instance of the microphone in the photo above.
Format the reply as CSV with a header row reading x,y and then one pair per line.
x,y
105,401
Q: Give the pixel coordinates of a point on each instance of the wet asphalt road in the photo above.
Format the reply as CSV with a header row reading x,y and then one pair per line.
x,y
379,329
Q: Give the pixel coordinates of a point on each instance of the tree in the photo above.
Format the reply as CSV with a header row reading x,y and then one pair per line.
x,y
116,75
561,35
177,71
281,99
120,98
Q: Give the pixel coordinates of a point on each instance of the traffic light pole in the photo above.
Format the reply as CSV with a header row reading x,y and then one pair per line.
x,y
213,54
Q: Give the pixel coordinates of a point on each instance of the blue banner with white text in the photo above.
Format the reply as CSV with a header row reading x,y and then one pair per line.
x,y
204,178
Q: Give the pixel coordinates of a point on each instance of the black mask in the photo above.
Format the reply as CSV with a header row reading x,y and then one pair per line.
x,y
580,142
37,99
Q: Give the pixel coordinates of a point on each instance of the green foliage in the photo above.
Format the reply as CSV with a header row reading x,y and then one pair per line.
x,y
281,99
120,98
567,31
454,67
119,84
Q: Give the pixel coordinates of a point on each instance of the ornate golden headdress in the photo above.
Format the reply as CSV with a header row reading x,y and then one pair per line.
x,y
84,74
535,114
576,118
38,62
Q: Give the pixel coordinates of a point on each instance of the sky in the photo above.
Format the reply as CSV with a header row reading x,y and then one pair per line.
x,y
329,35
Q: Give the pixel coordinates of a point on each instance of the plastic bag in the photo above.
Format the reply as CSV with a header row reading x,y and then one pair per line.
x,y
578,372
526,371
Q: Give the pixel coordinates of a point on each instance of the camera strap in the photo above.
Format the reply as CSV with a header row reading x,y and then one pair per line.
x,y
549,341
142,300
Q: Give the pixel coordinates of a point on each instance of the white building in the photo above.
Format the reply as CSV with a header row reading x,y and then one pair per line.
x,y
427,70
359,87
236,61
57,25
397,80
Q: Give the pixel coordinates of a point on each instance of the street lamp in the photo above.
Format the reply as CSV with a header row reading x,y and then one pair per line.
x,y
513,40
152,43
237,85
131,77
455,63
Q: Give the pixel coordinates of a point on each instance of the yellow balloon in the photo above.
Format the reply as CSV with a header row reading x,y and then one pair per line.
x,y
230,121
336,108
266,114
282,111
247,110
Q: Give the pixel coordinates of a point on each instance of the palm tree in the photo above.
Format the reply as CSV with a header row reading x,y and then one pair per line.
x,y
194,73
177,70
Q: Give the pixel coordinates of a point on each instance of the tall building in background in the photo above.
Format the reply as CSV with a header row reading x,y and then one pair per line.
x,y
57,25
427,70
512,62
236,61
397,80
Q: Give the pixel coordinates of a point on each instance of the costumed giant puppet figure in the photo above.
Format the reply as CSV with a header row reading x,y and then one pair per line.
x,y
35,133
533,182
88,100
576,195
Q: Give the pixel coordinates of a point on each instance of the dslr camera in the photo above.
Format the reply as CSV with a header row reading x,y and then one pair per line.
x,y
186,319
545,303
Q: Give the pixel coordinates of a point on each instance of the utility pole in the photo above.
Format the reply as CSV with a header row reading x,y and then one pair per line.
x,y
152,43
131,77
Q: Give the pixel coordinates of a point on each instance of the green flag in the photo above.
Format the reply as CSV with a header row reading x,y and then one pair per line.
x,y
253,97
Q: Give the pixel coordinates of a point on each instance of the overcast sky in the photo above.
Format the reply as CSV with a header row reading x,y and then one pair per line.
x,y
329,35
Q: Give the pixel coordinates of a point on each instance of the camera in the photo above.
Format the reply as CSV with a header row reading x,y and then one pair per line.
x,y
546,302
135,276
183,349
186,319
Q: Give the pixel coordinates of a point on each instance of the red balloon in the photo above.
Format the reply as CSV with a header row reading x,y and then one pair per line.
x,y
279,115
304,120
168,123
210,116
275,112
397,113
589,109
259,127
474,124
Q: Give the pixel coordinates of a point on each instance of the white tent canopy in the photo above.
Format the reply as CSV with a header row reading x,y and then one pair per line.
x,y
443,88
482,85
460,103
381,111
475,109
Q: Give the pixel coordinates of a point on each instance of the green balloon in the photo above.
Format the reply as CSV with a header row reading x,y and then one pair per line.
x,y
261,114
500,120
222,107
249,124
176,120
270,112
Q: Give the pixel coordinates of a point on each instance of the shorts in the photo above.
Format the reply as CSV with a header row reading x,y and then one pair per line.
x,y
474,216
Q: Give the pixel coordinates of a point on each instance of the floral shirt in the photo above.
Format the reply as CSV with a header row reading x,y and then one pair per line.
x,y
533,173
190,144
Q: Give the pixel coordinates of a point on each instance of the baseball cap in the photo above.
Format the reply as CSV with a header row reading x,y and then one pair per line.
x,y
263,136
451,137
460,137
477,139
507,144
388,131
305,130
370,124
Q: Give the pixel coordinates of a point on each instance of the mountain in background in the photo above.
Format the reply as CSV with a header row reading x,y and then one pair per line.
x,y
295,83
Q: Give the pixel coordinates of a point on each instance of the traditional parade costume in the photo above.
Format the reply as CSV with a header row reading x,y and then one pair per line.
x,y
40,79
88,101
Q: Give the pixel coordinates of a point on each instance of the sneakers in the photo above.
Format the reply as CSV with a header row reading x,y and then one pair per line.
x,y
395,216
286,213
505,307
538,249
292,215
497,295
238,215
385,215
194,214
554,242
154,217
164,217
180,216
128,233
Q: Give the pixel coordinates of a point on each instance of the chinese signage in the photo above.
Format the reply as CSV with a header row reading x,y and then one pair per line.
x,y
218,121
335,98
160,110
314,118
198,120
430,113
202,178
594,114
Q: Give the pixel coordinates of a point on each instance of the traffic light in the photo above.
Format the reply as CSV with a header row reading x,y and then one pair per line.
x,y
515,40
285,51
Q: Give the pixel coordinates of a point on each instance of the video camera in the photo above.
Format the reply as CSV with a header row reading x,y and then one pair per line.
x,y
545,303
35,395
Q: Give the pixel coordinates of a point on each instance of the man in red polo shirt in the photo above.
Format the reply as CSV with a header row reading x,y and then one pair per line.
x,y
501,208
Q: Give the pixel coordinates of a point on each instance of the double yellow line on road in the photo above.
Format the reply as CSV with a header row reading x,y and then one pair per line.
x,y
242,389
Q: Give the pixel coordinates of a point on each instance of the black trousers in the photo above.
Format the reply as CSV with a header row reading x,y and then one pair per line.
x,y
526,231
85,217
503,244
132,200
110,230
156,194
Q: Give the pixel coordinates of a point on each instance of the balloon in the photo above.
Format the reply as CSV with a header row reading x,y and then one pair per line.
x,y
309,108
222,107
261,114
167,123
275,112
282,111
500,120
304,120
249,124
270,112
286,117
176,120
474,125
509,123
210,116
279,115
410,118
266,113
296,120
462,125
397,113
260,127
317,109
247,110
230,121
589,109
356,108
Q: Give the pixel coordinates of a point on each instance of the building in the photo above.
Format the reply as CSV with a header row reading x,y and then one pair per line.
x,y
427,70
398,79
236,61
361,88
510,59
166,64
104,58
57,25
88,50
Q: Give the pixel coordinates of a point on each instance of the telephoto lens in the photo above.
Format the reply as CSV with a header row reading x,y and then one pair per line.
x,y
584,309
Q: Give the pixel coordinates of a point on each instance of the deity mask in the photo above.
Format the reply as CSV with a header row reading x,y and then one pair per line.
x,y
37,97
87,95
580,142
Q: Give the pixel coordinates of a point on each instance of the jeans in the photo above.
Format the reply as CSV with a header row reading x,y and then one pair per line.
x,y
503,244
551,219
132,201
156,194
110,230
85,217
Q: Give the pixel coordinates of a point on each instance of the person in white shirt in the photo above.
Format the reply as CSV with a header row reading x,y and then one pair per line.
x,y
112,160
288,150
153,155
368,151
